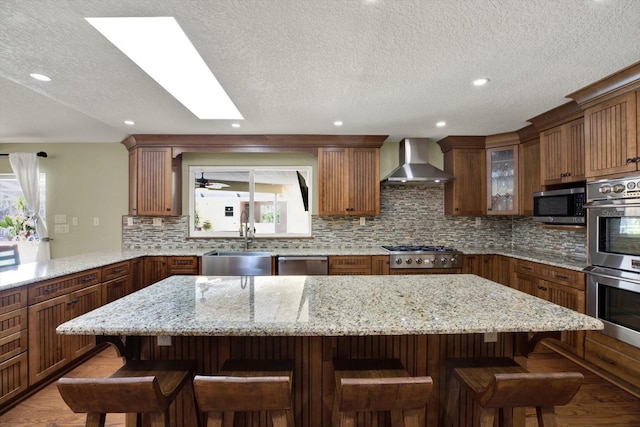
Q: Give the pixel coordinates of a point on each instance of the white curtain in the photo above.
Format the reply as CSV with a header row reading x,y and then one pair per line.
x,y
27,171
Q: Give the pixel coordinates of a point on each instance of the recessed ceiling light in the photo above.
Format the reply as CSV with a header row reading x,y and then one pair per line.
x,y
235,125
337,123
129,122
441,124
160,47
40,77
480,82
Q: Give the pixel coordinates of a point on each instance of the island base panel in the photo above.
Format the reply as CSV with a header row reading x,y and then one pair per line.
x,y
314,377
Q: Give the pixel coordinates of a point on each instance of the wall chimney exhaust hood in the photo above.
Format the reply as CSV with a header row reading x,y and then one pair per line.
x,y
414,164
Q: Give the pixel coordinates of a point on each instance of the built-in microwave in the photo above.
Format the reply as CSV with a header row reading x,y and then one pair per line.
x,y
565,206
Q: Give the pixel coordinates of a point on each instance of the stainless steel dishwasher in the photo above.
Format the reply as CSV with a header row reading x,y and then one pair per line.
x,y
303,265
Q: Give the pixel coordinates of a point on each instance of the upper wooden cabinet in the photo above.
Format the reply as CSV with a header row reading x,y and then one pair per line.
x,y
465,158
154,182
562,144
502,174
611,119
348,181
529,169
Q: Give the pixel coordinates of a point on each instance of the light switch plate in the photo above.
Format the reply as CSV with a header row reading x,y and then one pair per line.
x,y
490,336
157,222
164,341
60,219
96,220
61,228
129,221
363,220
74,220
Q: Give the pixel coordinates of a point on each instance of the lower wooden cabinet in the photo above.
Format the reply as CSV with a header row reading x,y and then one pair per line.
x,y
13,377
559,286
356,264
380,264
50,351
157,268
498,268
13,343
613,356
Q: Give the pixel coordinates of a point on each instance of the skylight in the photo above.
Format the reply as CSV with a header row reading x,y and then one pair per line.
x,y
160,47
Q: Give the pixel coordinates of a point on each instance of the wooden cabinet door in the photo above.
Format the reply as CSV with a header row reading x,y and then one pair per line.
x,y
333,182
529,175
364,181
611,137
137,274
526,284
155,269
47,349
472,264
562,157
502,180
79,303
153,181
182,265
465,195
349,181
574,152
380,264
116,288
350,265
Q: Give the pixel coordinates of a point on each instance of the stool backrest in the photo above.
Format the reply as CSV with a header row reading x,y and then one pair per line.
x,y
384,394
226,393
112,395
531,389
9,256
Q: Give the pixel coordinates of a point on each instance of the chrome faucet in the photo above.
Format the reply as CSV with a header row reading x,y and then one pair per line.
x,y
244,229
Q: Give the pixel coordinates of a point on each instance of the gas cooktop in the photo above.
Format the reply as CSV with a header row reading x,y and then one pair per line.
x,y
418,248
422,256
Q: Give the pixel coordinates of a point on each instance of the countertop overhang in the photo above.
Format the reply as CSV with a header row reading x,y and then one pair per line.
x,y
326,306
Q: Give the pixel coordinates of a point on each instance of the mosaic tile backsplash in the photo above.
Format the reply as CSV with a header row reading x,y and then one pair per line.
x,y
409,214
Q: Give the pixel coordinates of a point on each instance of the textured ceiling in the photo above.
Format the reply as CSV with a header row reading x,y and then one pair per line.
x,y
385,67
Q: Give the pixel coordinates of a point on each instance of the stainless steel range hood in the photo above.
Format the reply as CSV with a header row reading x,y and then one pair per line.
x,y
414,164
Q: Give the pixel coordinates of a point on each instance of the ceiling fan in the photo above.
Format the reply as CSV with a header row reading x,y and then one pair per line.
x,y
203,182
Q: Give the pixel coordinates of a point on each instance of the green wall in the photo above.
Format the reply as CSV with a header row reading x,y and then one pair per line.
x,y
86,181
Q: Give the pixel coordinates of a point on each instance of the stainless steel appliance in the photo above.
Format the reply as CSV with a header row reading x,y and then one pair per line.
x,y
422,257
565,206
303,265
613,247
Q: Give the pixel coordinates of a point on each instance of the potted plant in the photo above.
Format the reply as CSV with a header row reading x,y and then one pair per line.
x,y
206,226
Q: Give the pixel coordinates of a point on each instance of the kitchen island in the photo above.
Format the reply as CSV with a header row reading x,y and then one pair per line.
x,y
422,320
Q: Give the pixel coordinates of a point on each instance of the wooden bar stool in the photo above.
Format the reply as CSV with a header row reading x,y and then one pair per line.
x,y
247,385
139,387
500,385
379,385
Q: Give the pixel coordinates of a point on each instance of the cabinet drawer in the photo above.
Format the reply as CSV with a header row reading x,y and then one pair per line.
x,y
183,265
13,322
621,360
116,288
13,377
526,267
43,291
360,264
13,299
571,278
13,345
115,270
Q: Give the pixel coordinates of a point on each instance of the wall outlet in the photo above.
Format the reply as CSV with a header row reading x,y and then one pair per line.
x,y
157,222
363,220
74,220
164,341
96,220
490,336
129,221
60,219
61,228
478,221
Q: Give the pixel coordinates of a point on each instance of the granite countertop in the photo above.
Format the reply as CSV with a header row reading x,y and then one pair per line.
x,y
326,306
25,274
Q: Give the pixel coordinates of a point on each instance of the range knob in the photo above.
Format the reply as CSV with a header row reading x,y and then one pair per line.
x,y
398,261
605,189
618,188
408,261
443,260
418,261
454,260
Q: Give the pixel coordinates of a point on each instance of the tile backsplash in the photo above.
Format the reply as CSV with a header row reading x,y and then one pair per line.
x,y
409,214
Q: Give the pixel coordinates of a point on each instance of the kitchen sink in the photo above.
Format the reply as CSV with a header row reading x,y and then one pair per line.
x,y
236,263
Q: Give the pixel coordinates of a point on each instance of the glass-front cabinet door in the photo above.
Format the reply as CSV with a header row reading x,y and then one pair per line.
x,y
502,180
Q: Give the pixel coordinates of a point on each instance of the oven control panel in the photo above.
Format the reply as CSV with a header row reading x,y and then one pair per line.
x,y
621,188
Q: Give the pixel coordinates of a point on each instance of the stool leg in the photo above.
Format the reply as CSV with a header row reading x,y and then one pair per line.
x,y
159,419
214,419
487,416
280,419
546,416
95,419
227,419
413,418
451,403
347,419
397,420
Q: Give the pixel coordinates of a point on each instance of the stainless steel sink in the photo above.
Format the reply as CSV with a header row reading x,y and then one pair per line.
x,y
236,263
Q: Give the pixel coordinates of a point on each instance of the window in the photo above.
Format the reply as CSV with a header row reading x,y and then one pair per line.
x,y
16,219
274,201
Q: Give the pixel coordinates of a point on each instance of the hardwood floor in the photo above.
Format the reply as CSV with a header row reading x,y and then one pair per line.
x,y
46,407
598,403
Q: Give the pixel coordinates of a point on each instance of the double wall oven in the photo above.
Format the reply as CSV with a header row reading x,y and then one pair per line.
x,y
613,242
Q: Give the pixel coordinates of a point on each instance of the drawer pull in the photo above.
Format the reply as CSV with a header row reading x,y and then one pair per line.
x,y
88,279
51,289
542,288
606,360
117,270
73,301
524,267
562,276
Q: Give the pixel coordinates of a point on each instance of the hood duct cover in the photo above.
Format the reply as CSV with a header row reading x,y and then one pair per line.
x,y
414,164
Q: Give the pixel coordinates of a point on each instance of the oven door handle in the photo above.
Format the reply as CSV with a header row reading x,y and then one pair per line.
x,y
607,204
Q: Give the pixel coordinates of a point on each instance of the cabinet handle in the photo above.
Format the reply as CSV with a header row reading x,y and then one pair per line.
x,y
88,279
51,289
606,359
630,161
73,301
117,270
561,276
524,267
542,288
